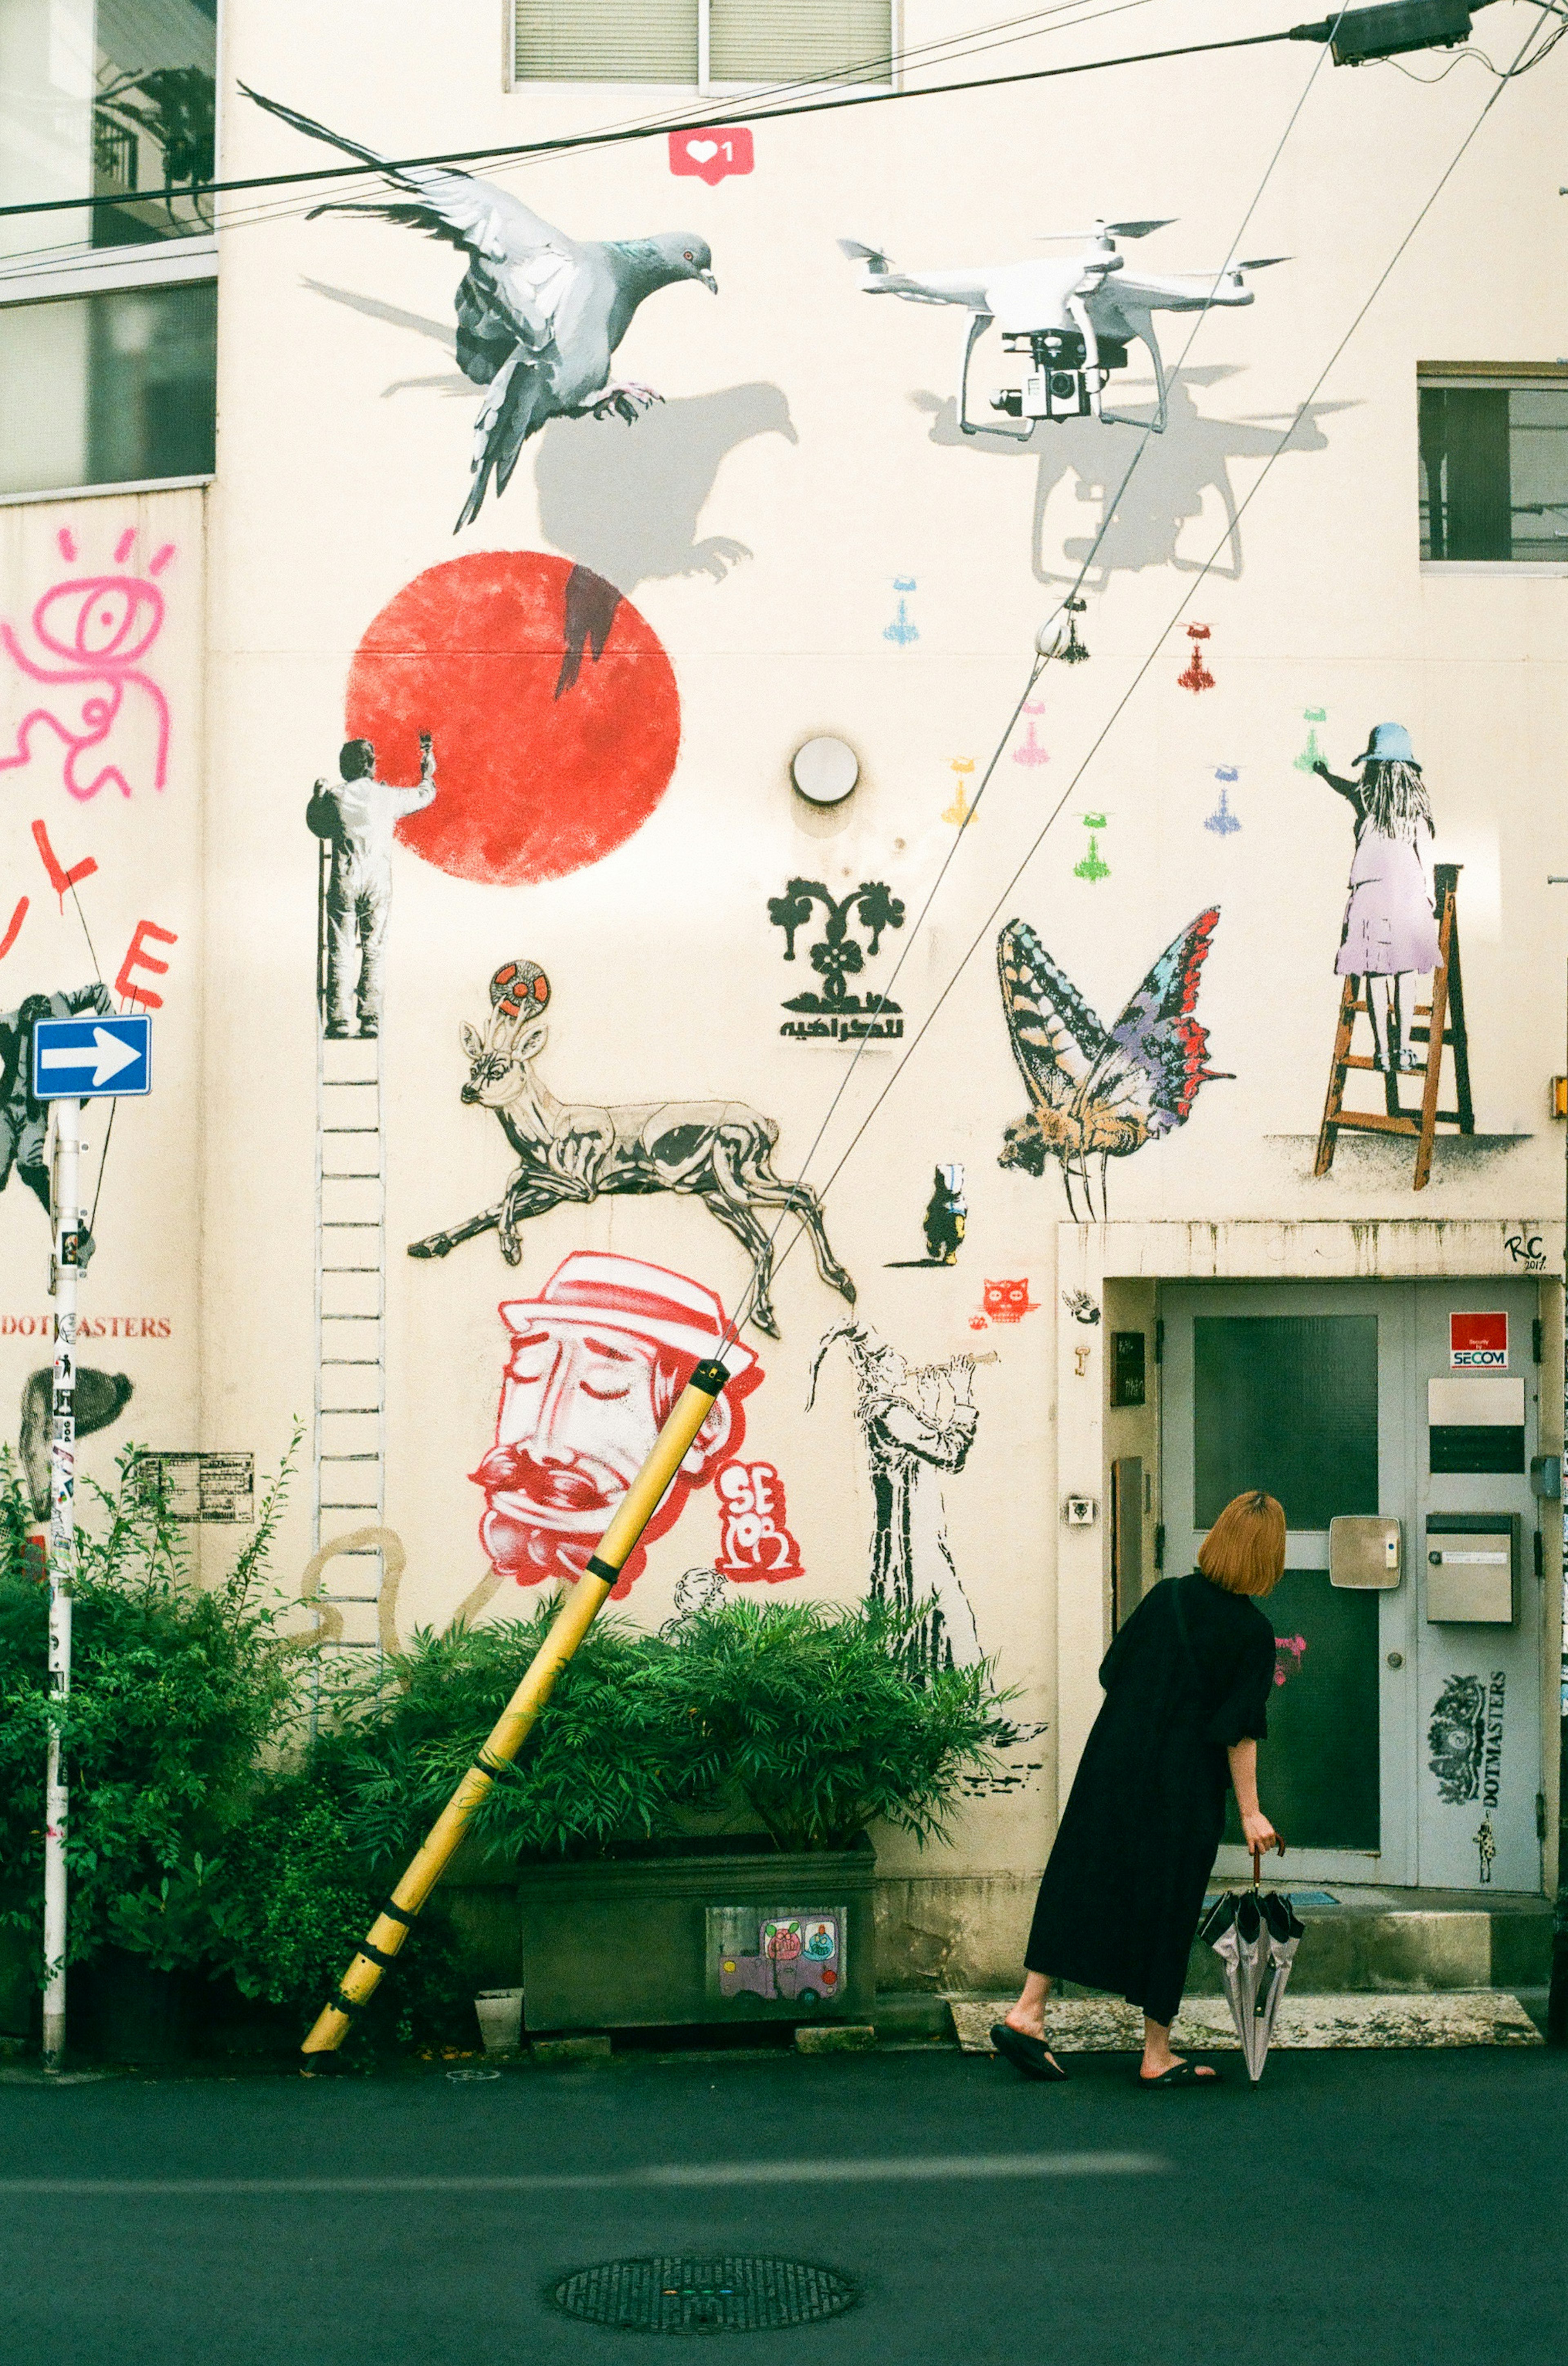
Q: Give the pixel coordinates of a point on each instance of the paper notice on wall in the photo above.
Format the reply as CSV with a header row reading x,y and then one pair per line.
x,y
198,1487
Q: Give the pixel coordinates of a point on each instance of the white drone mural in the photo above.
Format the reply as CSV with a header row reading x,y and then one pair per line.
x,y
1072,319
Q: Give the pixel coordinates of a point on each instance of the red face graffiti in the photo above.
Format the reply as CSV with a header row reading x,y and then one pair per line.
x,y
597,1361
552,699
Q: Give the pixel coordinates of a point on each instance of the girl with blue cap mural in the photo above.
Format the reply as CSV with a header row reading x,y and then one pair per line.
x,y
1391,930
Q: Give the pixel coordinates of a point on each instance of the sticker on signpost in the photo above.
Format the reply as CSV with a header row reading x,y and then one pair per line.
x,y
1478,1343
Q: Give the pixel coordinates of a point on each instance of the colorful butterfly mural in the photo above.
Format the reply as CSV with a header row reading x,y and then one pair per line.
x,y
1100,1092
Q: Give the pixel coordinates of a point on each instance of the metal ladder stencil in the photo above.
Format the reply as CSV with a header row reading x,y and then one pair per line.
x,y
1444,1028
350,1440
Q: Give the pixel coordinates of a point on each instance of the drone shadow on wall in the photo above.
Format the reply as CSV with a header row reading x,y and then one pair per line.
x,y
625,502
1167,493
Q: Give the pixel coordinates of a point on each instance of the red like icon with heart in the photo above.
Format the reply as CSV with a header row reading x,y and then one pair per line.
x,y
710,155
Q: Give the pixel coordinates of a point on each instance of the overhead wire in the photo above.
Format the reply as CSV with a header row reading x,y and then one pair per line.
x,y
569,142
55,259
987,924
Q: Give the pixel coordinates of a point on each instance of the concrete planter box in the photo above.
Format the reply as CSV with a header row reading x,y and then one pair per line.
x,y
676,1933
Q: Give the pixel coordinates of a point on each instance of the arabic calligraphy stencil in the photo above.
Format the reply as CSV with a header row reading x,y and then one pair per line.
x,y
838,955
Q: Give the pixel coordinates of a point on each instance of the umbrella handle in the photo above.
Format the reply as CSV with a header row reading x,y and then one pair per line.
x,y
1258,1860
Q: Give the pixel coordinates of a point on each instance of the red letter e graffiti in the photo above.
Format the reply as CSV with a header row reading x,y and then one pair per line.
x,y
136,958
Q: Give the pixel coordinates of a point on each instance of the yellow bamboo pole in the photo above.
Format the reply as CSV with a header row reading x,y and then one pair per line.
x,y
506,1738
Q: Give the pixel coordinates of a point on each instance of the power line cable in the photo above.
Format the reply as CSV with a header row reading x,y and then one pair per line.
x,y
74,257
569,141
984,932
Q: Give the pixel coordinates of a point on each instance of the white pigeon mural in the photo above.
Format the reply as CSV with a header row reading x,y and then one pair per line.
x,y
539,314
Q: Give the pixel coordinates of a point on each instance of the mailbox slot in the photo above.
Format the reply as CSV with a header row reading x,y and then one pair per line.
x,y
1472,1569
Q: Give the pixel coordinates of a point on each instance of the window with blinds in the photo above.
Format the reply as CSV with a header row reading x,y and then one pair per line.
x,y
785,40
606,40
673,41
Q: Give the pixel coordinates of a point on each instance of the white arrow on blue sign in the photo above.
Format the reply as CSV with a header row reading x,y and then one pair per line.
x,y
81,1059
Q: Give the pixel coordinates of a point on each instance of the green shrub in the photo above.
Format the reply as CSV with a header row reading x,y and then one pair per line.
x,y
610,1761
175,1691
806,1713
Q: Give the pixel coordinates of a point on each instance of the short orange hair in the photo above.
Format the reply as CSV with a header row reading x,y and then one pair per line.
x,y
1244,1553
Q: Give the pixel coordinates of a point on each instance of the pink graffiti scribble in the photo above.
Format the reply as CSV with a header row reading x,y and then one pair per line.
x,y
18,917
67,543
101,624
1289,1650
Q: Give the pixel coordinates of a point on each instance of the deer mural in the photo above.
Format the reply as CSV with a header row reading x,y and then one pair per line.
x,y
718,1152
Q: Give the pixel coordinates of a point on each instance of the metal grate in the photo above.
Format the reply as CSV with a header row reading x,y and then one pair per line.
x,y
751,2294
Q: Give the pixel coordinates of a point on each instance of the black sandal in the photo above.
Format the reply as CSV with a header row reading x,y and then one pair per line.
x,y
1029,2055
1184,2074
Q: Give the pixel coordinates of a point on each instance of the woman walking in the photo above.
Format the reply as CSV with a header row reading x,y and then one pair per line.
x,y
1187,1683
1391,931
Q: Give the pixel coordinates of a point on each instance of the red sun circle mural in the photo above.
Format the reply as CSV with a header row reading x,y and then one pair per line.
x,y
552,704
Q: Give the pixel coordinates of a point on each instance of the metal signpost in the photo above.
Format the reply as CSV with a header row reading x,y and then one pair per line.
x,y
72,1060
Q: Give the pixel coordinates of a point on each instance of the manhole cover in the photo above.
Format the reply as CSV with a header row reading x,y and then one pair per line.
x,y
748,2295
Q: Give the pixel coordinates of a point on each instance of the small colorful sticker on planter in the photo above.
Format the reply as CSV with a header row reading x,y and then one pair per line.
x,y
783,1955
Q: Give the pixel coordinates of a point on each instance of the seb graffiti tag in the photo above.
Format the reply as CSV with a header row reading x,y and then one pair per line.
x,y
595,1363
753,1540
101,704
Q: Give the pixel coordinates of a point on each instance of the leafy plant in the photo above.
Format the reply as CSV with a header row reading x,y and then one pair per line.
x,y
609,1761
175,1693
806,1714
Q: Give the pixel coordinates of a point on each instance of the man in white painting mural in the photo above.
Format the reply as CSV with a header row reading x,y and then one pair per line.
x,y
596,1362
357,816
1390,936
912,1436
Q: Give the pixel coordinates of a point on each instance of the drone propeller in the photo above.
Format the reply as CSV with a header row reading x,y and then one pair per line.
x,y
1111,230
872,256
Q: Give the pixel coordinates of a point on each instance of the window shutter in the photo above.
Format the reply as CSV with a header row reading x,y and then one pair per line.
x,y
606,40
785,40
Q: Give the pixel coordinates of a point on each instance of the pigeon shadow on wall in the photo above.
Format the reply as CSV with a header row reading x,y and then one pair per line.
x,y
1168,488
627,502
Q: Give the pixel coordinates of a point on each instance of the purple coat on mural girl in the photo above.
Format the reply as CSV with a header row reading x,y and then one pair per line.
x,y
1390,919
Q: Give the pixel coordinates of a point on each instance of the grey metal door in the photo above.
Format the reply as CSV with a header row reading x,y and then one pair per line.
x,y
1404,1746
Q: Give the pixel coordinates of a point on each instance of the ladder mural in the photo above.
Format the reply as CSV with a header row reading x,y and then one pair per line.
x,y
1444,1028
349,1489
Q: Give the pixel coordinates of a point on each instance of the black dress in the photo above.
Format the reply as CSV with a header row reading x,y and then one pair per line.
x,y
1121,1897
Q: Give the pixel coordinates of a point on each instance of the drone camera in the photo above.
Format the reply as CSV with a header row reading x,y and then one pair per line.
x,y
1060,383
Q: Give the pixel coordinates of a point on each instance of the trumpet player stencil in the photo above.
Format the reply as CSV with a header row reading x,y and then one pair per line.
x,y
1100,1092
914,1426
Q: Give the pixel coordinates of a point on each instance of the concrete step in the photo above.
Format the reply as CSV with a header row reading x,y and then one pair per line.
x,y
1364,1940
1426,2017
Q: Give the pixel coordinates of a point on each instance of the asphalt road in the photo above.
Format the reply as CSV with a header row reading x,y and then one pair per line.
x,y
1356,2209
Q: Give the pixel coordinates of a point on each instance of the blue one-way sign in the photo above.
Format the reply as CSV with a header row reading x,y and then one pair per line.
x,y
82,1058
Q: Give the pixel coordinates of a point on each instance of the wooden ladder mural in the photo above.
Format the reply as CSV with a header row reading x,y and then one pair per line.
x,y
348,1445
1444,1025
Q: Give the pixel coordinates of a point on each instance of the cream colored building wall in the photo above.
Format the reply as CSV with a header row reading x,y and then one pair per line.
x,y
808,464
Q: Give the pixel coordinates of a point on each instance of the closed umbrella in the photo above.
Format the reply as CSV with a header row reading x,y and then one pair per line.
x,y
1255,1933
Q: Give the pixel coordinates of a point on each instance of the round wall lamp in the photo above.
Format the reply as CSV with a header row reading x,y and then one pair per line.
x,y
825,770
